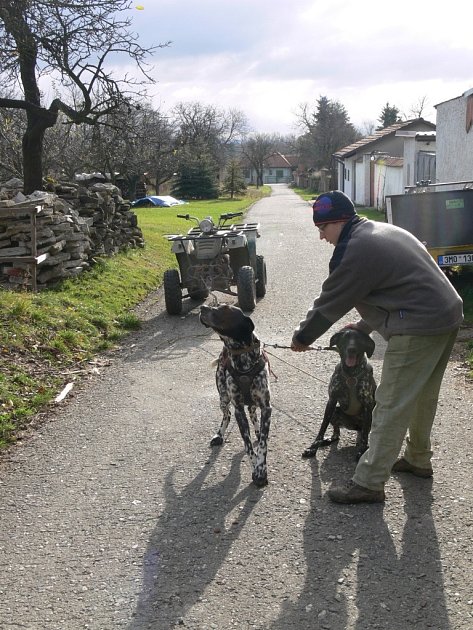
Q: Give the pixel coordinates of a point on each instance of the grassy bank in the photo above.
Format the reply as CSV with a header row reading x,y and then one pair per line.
x,y
48,338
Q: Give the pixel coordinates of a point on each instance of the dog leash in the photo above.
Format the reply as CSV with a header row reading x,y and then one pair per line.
x,y
298,369
278,345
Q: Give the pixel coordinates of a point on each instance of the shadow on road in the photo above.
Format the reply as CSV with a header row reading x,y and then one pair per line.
x,y
190,543
349,549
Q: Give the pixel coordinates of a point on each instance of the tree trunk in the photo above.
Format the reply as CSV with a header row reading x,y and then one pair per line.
x,y
38,120
32,146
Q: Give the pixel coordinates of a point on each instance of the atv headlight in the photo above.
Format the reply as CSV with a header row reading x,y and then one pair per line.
x,y
206,225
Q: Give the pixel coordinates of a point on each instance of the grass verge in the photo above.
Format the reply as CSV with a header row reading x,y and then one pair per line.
x,y
47,339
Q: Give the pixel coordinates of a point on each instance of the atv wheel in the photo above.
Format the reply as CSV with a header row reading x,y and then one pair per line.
x,y
198,294
246,288
261,276
172,291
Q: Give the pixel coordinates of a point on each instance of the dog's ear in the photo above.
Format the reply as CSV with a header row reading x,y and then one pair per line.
x,y
369,346
334,339
243,326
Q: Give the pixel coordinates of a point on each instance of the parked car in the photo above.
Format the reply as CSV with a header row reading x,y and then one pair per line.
x,y
159,201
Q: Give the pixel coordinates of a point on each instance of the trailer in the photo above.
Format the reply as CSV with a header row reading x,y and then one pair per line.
x,y
439,215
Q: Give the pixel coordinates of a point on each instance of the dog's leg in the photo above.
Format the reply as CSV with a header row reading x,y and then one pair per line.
x,y
254,420
319,440
244,427
362,441
217,439
260,471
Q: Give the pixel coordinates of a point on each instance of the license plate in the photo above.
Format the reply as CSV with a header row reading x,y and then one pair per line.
x,y
455,259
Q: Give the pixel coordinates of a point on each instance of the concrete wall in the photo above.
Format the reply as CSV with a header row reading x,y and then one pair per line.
x,y
454,144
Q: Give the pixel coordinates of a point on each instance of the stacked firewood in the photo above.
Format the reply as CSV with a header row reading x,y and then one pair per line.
x,y
76,224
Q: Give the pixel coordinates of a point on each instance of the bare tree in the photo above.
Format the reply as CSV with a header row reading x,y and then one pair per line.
x,y
417,109
257,150
11,121
367,128
69,42
207,126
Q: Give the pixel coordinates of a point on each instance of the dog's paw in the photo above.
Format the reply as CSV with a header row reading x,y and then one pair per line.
x,y
217,440
260,480
310,452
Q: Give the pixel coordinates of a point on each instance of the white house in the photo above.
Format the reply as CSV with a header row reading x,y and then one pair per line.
x,y
373,167
455,139
277,170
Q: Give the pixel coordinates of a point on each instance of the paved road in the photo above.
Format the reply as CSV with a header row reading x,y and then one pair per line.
x,y
117,514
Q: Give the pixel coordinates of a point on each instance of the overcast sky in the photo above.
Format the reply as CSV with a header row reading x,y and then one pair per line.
x,y
266,57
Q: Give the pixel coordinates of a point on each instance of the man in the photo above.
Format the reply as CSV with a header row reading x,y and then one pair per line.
x,y
388,276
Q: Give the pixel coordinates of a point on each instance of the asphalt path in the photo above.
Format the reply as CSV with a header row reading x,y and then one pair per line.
x,y
116,513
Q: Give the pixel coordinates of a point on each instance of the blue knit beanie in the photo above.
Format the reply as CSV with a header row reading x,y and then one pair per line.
x,y
333,206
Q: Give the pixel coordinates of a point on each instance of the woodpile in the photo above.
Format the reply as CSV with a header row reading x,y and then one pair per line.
x,y
76,224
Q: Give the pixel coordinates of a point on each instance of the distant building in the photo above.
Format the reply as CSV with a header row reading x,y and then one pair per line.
x,y
277,170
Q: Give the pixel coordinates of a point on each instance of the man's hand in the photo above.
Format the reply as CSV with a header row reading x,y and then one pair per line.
x,y
296,346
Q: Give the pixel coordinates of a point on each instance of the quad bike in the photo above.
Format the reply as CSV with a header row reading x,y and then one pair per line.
x,y
215,258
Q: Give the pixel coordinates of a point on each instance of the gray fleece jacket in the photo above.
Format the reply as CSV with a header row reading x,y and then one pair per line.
x,y
388,276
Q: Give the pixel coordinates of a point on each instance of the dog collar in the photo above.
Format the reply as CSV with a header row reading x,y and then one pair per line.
x,y
254,346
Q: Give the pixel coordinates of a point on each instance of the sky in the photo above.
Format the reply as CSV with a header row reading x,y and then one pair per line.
x,y
266,58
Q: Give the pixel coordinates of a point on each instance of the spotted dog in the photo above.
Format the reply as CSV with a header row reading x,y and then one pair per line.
x,y
242,380
350,392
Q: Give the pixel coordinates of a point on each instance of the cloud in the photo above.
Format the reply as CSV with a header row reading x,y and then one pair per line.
x,y
266,57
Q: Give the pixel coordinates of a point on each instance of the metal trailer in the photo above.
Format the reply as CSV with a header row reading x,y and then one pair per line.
x,y
442,219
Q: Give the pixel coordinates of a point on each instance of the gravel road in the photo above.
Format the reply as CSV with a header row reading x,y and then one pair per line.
x,y
116,514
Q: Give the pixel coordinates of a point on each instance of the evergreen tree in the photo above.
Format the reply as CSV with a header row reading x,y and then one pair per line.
x,y
234,182
196,177
390,115
327,129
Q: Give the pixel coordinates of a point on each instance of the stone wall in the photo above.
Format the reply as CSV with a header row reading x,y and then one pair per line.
x,y
77,223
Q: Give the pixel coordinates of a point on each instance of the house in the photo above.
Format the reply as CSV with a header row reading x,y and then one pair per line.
x,y
455,139
277,170
375,166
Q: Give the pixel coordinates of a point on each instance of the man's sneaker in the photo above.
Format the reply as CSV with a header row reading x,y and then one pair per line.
x,y
402,465
353,493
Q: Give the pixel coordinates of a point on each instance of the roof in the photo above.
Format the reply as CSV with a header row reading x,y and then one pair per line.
x,y
390,161
277,160
351,149
455,98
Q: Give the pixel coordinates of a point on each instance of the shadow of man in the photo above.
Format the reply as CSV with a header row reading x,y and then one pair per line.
x,y
421,592
359,573
189,544
348,554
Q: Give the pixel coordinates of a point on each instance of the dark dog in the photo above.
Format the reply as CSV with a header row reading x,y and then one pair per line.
x,y
350,392
243,380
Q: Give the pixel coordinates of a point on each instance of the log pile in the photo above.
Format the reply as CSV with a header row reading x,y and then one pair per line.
x,y
77,223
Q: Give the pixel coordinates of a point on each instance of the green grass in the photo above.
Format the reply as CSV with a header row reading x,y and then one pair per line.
x,y
48,337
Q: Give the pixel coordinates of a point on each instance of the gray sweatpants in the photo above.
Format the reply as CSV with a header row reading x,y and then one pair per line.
x,y
406,401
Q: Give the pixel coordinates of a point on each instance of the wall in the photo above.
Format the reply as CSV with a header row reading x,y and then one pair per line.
x,y
388,180
454,144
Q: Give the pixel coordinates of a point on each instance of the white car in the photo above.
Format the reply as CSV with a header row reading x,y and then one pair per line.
x,y
160,201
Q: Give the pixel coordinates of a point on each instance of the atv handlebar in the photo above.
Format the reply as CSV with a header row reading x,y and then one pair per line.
x,y
230,215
